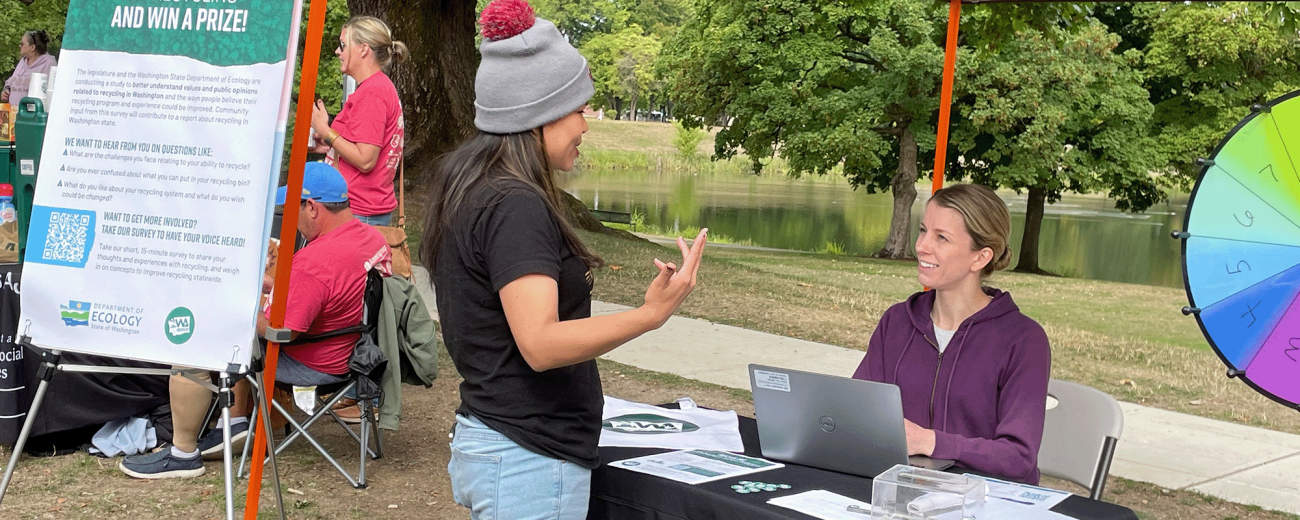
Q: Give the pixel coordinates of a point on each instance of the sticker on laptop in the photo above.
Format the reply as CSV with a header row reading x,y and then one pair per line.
x,y
772,380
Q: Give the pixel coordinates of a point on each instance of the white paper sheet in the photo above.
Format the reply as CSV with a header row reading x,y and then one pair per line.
x,y
696,466
1014,501
823,504
637,425
1022,494
995,509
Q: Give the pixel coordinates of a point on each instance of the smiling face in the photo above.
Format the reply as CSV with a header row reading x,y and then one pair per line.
x,y
944,250
562,138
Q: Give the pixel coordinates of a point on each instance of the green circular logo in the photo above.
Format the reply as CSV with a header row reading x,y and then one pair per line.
x,y
179,325
647,424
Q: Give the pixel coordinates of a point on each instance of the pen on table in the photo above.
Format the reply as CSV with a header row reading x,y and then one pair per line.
x,y
1013,500
853,508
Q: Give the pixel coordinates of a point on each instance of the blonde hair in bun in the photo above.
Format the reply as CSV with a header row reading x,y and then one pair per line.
x,y
987,221
374,33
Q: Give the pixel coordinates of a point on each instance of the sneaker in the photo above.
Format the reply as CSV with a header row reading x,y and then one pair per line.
x,y
210,444
161,464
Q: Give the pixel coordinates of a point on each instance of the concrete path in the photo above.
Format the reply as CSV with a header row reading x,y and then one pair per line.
x,y
1241,464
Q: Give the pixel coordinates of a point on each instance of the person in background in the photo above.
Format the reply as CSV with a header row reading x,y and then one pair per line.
x,y
513,281
35,57
326,289
366,138
972,369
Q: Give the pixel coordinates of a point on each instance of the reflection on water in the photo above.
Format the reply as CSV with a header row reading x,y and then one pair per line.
x,y
1082,237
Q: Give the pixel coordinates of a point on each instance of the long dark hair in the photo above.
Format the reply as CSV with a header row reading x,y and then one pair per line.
x,y
491,158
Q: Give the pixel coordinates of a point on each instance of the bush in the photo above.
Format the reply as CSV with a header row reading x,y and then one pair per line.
x,y
687,141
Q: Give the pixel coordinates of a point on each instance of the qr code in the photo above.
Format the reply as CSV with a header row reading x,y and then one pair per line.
x,y
66,241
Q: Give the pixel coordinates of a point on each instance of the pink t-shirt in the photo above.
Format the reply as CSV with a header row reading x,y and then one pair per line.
x,y
371,115
326,290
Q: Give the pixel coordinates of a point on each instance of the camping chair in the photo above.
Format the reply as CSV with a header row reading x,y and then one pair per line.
x,y
367,364
1079,435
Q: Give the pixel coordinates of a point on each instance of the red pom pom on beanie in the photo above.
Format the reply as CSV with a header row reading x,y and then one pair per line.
x,y
503,19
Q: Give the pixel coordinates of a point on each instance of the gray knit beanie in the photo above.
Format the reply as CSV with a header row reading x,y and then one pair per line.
x,y
529,74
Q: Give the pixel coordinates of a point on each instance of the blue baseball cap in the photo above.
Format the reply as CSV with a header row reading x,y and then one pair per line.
x,y
321,182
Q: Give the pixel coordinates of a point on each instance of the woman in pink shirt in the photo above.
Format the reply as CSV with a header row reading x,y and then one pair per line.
x,y
366,138
33,48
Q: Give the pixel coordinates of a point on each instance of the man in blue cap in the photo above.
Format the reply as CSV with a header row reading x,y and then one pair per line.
x,y
326,289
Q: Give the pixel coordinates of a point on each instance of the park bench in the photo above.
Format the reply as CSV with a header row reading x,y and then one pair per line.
x,y
617,217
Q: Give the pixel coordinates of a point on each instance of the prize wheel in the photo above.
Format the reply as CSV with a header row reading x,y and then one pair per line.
x,y
1241,250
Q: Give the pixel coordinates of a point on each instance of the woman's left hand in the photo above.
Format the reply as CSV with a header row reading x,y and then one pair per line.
x,y
320,118
920,441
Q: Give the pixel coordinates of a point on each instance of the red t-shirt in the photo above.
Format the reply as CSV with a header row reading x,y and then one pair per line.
x,y
371,115
326,290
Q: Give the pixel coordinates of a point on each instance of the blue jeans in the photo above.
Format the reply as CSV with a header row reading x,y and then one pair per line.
x,y
500,480
291,371
376,220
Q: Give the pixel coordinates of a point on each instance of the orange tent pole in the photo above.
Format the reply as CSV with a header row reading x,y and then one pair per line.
x,y
945,96
288,230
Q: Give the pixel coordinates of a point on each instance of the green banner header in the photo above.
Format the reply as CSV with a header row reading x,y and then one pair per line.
x,y
218,32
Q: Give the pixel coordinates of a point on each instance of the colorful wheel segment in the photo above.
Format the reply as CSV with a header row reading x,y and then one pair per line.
x,y
1241,250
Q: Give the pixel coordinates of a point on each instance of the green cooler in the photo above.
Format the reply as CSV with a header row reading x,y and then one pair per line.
x,y
29,136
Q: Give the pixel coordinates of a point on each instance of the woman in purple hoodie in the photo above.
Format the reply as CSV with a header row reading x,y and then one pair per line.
x,y
972,369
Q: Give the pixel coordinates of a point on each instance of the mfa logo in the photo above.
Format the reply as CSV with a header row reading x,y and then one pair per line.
x,y
648,424
179,326
75,313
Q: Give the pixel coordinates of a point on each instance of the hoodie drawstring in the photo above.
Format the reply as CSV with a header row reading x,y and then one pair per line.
x,y
901,356
947,392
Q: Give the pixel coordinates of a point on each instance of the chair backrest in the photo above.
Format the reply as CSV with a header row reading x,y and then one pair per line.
x,y
367,359
1079,435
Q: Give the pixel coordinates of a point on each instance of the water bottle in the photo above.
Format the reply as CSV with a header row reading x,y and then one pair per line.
x,y
7,212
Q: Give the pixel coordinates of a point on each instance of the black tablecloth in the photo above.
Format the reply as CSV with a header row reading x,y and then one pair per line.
x,y
622,494
75,403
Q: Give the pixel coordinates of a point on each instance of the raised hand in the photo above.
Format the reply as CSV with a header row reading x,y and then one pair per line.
x,y
670,288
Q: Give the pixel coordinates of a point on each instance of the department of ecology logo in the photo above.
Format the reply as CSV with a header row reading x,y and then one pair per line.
x,y
75,313
647,423
179,326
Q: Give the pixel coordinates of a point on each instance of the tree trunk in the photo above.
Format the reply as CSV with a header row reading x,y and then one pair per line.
x,y
632,108
436,85
904,187
618,108
1033,228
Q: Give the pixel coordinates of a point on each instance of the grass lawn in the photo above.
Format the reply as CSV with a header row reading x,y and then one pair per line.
x,y
1128,340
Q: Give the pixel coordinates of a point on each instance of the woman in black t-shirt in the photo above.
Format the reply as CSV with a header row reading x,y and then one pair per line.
x,y
513,281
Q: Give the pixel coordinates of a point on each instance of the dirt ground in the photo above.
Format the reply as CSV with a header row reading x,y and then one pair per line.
x,y
411,481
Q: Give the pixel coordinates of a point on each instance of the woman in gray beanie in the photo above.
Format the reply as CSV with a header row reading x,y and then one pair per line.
x,y
513,281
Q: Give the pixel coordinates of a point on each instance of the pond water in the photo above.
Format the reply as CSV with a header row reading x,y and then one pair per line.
x,y
1082,236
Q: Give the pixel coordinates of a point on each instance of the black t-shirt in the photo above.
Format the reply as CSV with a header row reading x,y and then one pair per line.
x,y
503,232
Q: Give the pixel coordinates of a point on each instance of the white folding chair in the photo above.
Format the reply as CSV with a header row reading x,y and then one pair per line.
x,y
1079,435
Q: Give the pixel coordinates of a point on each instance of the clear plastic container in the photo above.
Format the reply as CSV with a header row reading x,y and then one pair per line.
x,y
908,493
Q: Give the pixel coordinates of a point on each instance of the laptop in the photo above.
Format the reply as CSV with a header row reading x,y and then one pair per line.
x,y
828,422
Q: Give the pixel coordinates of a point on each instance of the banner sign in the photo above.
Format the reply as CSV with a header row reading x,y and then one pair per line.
x,y
149,224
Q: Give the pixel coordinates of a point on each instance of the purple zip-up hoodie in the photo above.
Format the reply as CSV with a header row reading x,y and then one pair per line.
x,y
984,397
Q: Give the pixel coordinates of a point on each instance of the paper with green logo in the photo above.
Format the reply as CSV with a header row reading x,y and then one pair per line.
x,y
696,466
638,425
150,218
